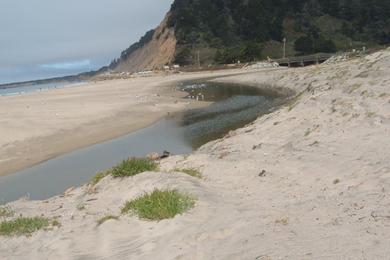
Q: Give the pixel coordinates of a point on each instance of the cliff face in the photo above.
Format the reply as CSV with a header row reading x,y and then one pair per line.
x,y
153,51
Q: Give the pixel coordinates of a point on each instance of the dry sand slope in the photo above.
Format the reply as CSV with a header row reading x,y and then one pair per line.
x,y
325,192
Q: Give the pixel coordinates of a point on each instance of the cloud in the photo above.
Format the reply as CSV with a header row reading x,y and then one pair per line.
x,y
70,65
59,35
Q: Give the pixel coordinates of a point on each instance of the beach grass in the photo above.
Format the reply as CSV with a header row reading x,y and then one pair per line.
x,y
106,218
189,171
98,177
6,212
160,205
294,101
132,166
126,168
25,226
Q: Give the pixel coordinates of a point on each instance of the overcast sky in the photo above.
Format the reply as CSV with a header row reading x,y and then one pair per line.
x,y
47,38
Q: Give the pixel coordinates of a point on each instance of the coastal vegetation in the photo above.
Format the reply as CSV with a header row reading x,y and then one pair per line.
x,y
25,226
106,218
6,212
241,30
228,31
126,168
132,166
160,205
189,171
98,177
309,45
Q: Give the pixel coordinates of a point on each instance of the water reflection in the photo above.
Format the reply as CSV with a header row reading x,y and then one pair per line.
x,y
234,107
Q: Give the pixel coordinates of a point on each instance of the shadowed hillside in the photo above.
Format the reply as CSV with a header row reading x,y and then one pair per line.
x,y
224,31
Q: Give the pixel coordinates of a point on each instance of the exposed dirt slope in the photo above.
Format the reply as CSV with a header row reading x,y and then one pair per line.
x,y
153,55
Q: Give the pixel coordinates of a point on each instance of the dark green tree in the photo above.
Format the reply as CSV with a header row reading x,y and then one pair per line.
x,y
324,45
304,45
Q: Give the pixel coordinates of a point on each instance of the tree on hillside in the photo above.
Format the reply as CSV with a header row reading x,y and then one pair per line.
x,y
251,51
324,45
248,51
309,45
233,26
304,45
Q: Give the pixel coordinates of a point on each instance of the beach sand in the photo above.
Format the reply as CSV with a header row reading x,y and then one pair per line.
x,y
39,126
310,180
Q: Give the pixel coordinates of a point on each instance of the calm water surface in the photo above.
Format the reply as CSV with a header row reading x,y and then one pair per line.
x,y
233,107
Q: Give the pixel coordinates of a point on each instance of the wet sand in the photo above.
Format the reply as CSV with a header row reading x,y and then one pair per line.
x,y
39,126
234,107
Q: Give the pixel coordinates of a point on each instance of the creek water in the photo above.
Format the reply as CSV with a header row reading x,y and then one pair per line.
x,y
233,106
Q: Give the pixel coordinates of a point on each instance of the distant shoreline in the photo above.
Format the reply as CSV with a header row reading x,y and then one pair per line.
x,y
69,79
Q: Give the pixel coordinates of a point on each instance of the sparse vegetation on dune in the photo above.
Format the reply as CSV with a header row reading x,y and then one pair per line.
x,y
132,166
80,206
106,218
98,177
6,212
189,171
25,226
126,168
160,205
295,100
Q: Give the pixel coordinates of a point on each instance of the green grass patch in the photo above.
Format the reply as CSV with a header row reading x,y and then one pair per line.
x,y
132,166
126,168
98,177
160,205
106,218
25,226
189,171
6,212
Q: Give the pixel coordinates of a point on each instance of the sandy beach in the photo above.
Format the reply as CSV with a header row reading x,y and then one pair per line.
x,y
310,180
39,126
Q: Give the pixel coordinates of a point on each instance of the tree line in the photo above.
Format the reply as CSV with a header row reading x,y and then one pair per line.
x,y
238,29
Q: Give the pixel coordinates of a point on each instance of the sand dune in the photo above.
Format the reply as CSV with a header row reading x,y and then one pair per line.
x,y
310,180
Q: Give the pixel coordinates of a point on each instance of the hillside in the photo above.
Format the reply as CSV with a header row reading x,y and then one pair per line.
x,y
225,31
153,50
